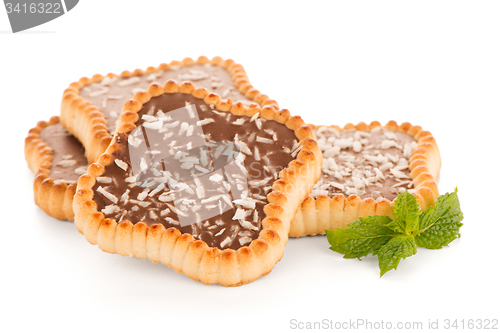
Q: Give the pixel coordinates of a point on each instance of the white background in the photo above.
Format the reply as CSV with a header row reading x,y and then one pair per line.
x,y
432,63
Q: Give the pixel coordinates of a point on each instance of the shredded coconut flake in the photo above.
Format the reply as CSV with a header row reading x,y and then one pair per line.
x,y
129,82
247,203
122,165
110,209
104,180
107,195
216,178
239,214
263,140
66,163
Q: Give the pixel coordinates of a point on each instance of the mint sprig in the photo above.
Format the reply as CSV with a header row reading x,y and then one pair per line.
x,y
395,239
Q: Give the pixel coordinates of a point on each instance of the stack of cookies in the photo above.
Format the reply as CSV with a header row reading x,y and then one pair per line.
x,y
189,165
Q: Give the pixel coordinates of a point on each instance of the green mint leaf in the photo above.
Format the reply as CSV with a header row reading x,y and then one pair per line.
x,y
439,225
399,247
393,240
405,210
444,202
364,236
397,225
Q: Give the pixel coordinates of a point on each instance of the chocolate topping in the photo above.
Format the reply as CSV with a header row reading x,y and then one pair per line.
x,y
245,157
69,160
111,94
369,164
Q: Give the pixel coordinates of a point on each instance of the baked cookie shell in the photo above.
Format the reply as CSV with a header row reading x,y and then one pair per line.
x,y
256,135
332,212
53,195
195,258
86,121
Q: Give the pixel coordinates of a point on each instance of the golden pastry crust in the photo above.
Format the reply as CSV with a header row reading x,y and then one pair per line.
x,y
332,212
53,196
87,123
195,258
